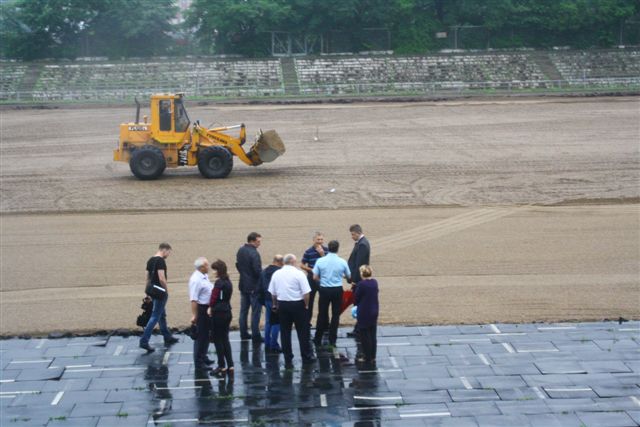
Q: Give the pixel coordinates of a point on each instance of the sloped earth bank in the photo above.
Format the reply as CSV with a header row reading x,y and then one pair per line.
x,y
478,211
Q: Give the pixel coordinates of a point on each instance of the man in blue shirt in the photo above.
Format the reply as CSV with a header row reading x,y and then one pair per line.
x,y
311,255
329,271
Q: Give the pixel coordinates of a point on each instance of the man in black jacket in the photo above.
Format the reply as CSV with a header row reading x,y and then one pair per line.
x,y
249,266
359,256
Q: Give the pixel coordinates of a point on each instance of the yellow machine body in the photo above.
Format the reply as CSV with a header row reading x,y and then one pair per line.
x,y
181,143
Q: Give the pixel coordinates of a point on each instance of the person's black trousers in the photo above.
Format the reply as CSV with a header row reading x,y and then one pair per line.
x,y
201,343
220,325
293,312
312,296
328,296
368,341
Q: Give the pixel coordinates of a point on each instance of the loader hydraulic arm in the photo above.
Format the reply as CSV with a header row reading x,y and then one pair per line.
x,y
215,136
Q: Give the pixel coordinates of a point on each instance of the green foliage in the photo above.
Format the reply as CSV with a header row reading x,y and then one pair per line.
x,y
33,29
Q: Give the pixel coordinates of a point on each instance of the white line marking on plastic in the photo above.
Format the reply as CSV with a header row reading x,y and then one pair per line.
x,y
185,363
508,334
394,362
118,350
19,392
380,370
466,383
77,366
7,396
484,359
41,343
176,420
76,344
388,344
568,389
469,340
555,328
539,392
188,387
57,398
30,361
170,421
635,400
105,369
508,347
426,414
165,358
629,329
323,400
495,329
378,398
542,350
7,381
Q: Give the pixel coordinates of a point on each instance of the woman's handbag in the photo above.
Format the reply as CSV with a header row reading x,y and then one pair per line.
x,y
348,297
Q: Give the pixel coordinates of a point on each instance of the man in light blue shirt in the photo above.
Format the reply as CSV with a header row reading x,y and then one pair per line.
x,y
329,271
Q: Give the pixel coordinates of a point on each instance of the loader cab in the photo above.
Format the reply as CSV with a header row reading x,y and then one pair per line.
x,y
169,119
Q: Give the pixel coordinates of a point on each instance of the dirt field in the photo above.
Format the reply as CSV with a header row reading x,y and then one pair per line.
x,y
478,211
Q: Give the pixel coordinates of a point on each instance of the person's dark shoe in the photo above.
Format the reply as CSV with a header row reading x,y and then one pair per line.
x,y
245,337
308,360
202,367
353,334
276,349
170,341
257,340
218,372
148,348
209,362
317,343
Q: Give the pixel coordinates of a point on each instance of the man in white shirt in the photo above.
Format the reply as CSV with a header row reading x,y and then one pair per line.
x,y
200,294
290,290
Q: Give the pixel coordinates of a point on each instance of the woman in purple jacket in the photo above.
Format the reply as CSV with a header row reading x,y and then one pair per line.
x,y
367,301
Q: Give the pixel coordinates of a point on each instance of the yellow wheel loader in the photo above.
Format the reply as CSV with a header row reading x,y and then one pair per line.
x,y
170,140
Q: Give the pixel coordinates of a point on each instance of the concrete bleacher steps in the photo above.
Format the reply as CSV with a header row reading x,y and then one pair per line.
x,y
324,75
546,65
290,76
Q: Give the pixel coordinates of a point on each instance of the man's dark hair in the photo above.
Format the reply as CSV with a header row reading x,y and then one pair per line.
x,y
334,245
355,228
164,246
221,267
253,236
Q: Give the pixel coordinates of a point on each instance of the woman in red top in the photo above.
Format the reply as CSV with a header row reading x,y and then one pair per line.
x,y
220,313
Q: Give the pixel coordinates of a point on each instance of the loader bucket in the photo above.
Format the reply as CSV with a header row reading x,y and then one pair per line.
x,y
267,148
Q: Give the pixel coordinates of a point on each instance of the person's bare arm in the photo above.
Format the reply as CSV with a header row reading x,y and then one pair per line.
x,y
162,277
306,267
194,312
305,297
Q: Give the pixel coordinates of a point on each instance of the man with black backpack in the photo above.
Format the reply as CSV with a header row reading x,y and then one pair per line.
x,y
157,289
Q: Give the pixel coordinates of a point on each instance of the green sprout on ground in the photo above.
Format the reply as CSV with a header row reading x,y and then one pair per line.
x,y
60,418
122,414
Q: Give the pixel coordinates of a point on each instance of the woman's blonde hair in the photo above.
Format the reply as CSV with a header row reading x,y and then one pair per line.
x,y
365,271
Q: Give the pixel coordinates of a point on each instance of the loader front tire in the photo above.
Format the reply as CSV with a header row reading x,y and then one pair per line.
x,y
147,162
215,162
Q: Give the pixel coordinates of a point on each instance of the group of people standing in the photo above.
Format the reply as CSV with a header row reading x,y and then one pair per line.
x,y
287,289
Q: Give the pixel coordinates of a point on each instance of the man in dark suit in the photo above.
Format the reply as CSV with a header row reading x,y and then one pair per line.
x,y
359,256
249,266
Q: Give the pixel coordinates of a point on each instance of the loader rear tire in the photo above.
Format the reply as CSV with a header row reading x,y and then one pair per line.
x,y
215,162
147,162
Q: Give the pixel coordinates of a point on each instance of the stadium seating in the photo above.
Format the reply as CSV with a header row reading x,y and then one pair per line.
x,y
323,75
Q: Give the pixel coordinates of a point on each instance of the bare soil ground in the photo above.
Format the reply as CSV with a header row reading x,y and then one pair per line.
x,y
478,211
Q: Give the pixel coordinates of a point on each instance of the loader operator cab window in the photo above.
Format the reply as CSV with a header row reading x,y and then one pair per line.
x,y
165,115
182,120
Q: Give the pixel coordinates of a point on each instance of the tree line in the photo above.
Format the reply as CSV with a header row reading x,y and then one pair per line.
x,y
37,29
